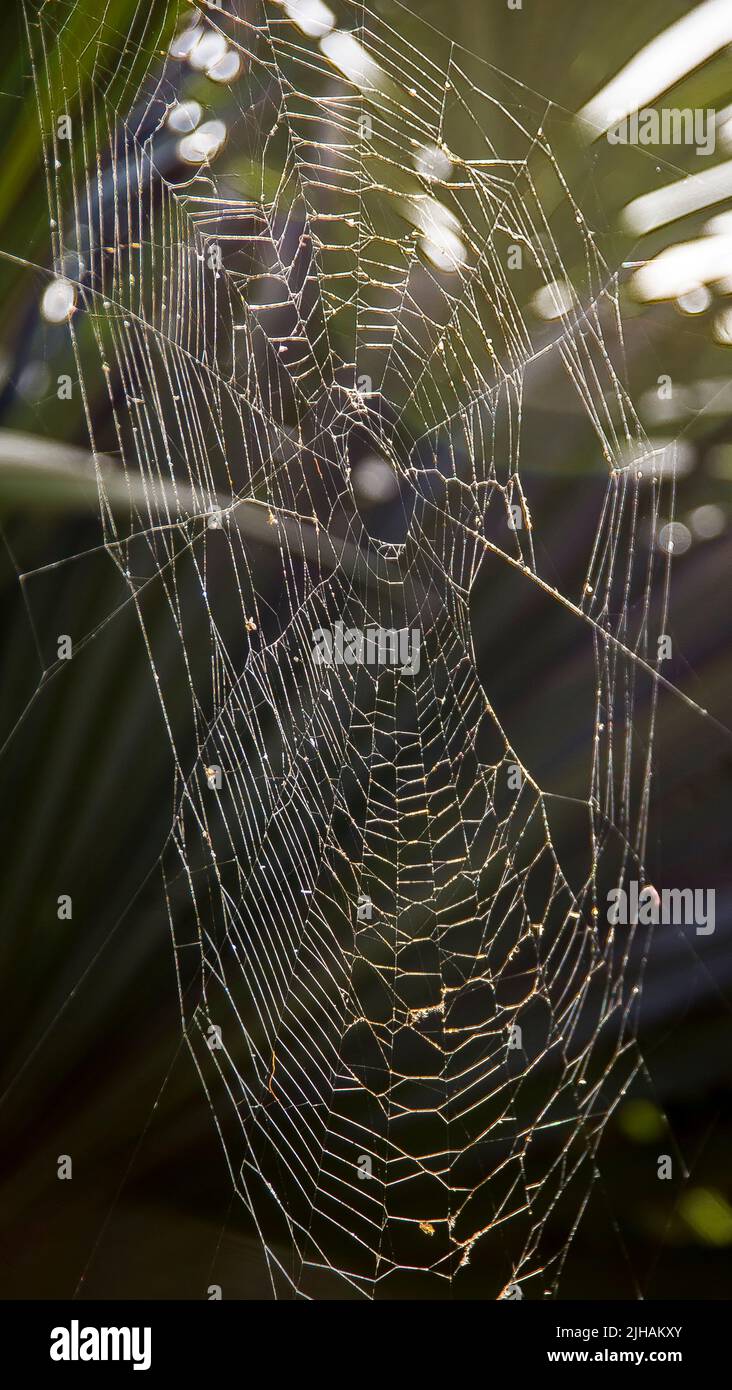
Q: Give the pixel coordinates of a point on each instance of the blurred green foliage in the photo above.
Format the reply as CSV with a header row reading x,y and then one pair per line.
x,y
91,1033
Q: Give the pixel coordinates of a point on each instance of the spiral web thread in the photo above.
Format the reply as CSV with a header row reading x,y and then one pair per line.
x,y
380,1127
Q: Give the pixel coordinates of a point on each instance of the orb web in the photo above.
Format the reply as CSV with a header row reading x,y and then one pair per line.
x,y
410,1016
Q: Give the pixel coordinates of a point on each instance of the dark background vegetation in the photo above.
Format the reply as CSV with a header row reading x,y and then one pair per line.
x,y
92,1061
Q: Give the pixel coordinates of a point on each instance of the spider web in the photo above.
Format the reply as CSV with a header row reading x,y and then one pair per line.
x,y
409,1014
